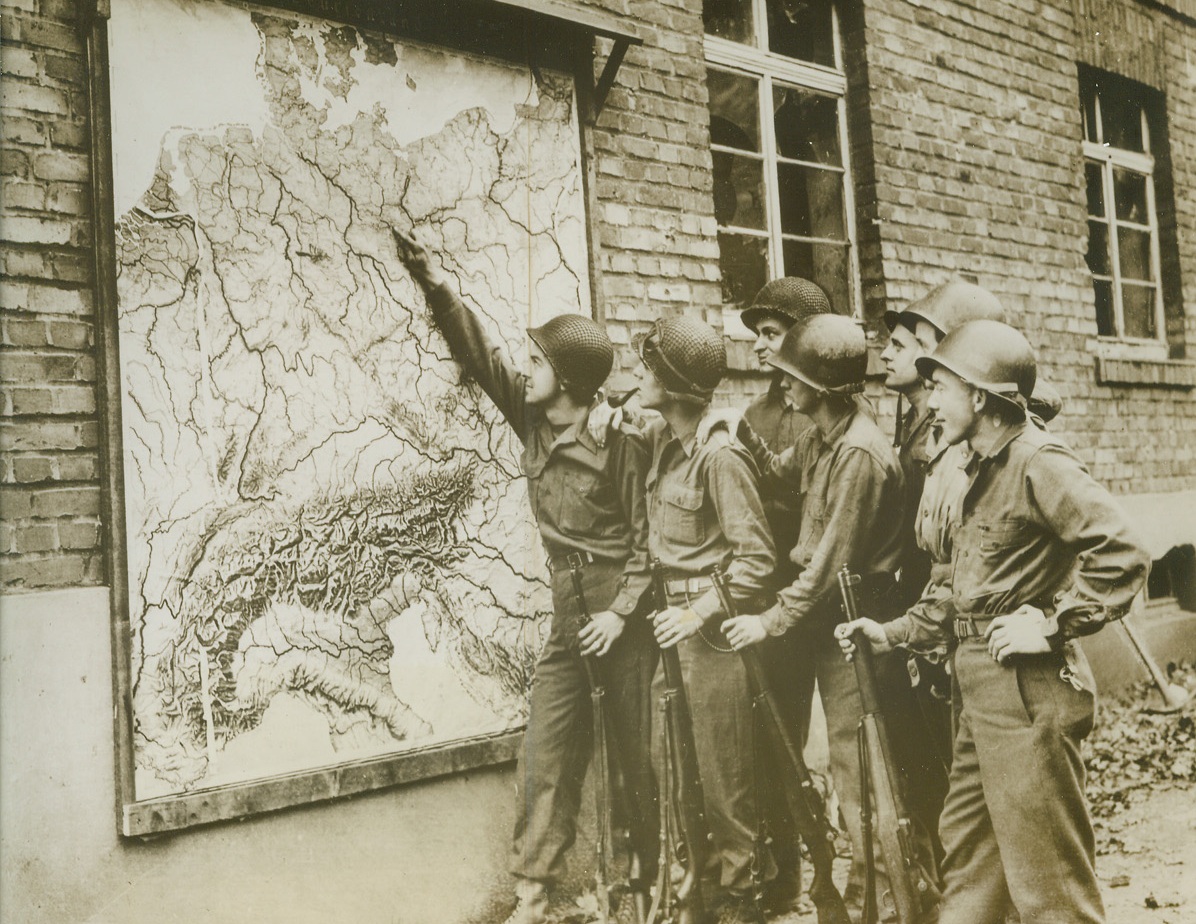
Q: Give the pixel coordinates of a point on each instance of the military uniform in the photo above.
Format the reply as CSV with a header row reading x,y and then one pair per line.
x,y
1031,528
587,500
704,510
1016,825
852,487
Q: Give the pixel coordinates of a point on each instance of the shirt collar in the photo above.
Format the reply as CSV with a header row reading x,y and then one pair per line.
x,y
578,432
838,429
1002,436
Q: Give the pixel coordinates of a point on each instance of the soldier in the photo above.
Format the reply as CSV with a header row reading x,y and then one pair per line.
x,y
921,732
1041,555
589,506
703,510
853,495
776,308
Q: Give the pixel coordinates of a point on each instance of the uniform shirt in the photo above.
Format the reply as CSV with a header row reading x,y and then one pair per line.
x,y
704,510
1035,528
779,424
927,626
916,431
853,493
585,497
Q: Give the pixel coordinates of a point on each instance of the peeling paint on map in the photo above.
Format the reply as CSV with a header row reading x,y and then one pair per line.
x,y
331,555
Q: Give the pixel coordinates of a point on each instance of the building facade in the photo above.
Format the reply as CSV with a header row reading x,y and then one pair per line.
x,y
1045,149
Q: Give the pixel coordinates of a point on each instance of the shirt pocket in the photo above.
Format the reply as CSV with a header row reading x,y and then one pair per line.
x,y
682,520
986,558
586,504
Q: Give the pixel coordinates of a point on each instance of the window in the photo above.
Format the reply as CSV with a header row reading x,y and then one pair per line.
x,y
1123,226
782,196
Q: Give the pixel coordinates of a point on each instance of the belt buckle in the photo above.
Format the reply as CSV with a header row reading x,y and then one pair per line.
x,y
575,561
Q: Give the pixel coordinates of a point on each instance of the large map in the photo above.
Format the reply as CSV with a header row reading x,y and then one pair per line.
x,y
330,550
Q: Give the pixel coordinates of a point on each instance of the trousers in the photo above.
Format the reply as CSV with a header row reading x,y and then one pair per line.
x,y
558,743
1015,825
727,746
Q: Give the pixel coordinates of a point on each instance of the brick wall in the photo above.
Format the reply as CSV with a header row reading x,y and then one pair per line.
x,y
50,495
652,144
966,150
976,140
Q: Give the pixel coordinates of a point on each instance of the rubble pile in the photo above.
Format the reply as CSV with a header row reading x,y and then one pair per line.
x,y
1132,749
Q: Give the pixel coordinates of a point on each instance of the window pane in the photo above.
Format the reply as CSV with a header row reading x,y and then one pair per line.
x,y
729,19
1137,311
734,111
826,264
1104,308
1098,248
807,125
1096,189
1129,194
1133,249
738,190
1088,102
811,202
744,263
1121,114
802,29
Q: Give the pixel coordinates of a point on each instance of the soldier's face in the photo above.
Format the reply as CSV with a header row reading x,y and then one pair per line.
x,y
769,334
898,357
652,393
542,384
955,404
799,394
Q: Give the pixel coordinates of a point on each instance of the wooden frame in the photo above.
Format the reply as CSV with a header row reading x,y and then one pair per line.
x,y
543,32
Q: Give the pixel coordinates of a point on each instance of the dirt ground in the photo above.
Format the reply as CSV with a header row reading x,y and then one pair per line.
x,y
1147,862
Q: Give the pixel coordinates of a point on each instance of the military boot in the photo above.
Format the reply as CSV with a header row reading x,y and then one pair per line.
x,y
532,903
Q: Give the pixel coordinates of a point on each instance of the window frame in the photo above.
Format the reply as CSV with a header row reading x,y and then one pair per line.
x,y
1108,159
767,68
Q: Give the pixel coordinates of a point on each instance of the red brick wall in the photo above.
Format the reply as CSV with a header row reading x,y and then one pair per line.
x,y
49,495
976,142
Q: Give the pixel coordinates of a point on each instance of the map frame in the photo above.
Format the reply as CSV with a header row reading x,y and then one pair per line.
x,y
533,33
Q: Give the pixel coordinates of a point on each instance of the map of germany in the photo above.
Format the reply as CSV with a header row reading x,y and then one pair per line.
x,y
330,551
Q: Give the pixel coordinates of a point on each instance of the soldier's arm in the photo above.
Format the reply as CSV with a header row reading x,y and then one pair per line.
x,y
927,627
1111,561
631,457
484,360
731,486
853,503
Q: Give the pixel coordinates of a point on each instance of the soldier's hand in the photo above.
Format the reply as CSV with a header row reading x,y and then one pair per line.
x,y
728,417
602,420
674,625
873,631
1022,632
416,258
742,631
597,635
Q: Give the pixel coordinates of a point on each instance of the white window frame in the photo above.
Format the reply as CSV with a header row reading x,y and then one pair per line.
x,y
1108,159
768,68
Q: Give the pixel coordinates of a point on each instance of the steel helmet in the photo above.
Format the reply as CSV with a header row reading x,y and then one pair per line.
x,y
988,355
828,352
1045,402
947,306
687,356
578,350
789,297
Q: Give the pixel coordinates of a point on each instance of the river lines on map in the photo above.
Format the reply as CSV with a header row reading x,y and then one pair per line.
x,y
330,550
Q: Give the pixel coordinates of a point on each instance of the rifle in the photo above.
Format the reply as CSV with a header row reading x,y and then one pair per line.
x,y
804,800
912,888
683,834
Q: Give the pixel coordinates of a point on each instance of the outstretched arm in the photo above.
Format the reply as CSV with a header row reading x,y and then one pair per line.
x,y
483,359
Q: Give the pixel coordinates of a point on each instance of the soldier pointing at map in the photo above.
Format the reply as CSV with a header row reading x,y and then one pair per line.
x,y
589,505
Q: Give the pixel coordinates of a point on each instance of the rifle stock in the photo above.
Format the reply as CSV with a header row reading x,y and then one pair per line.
x,y
804,800
683,833
912,887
